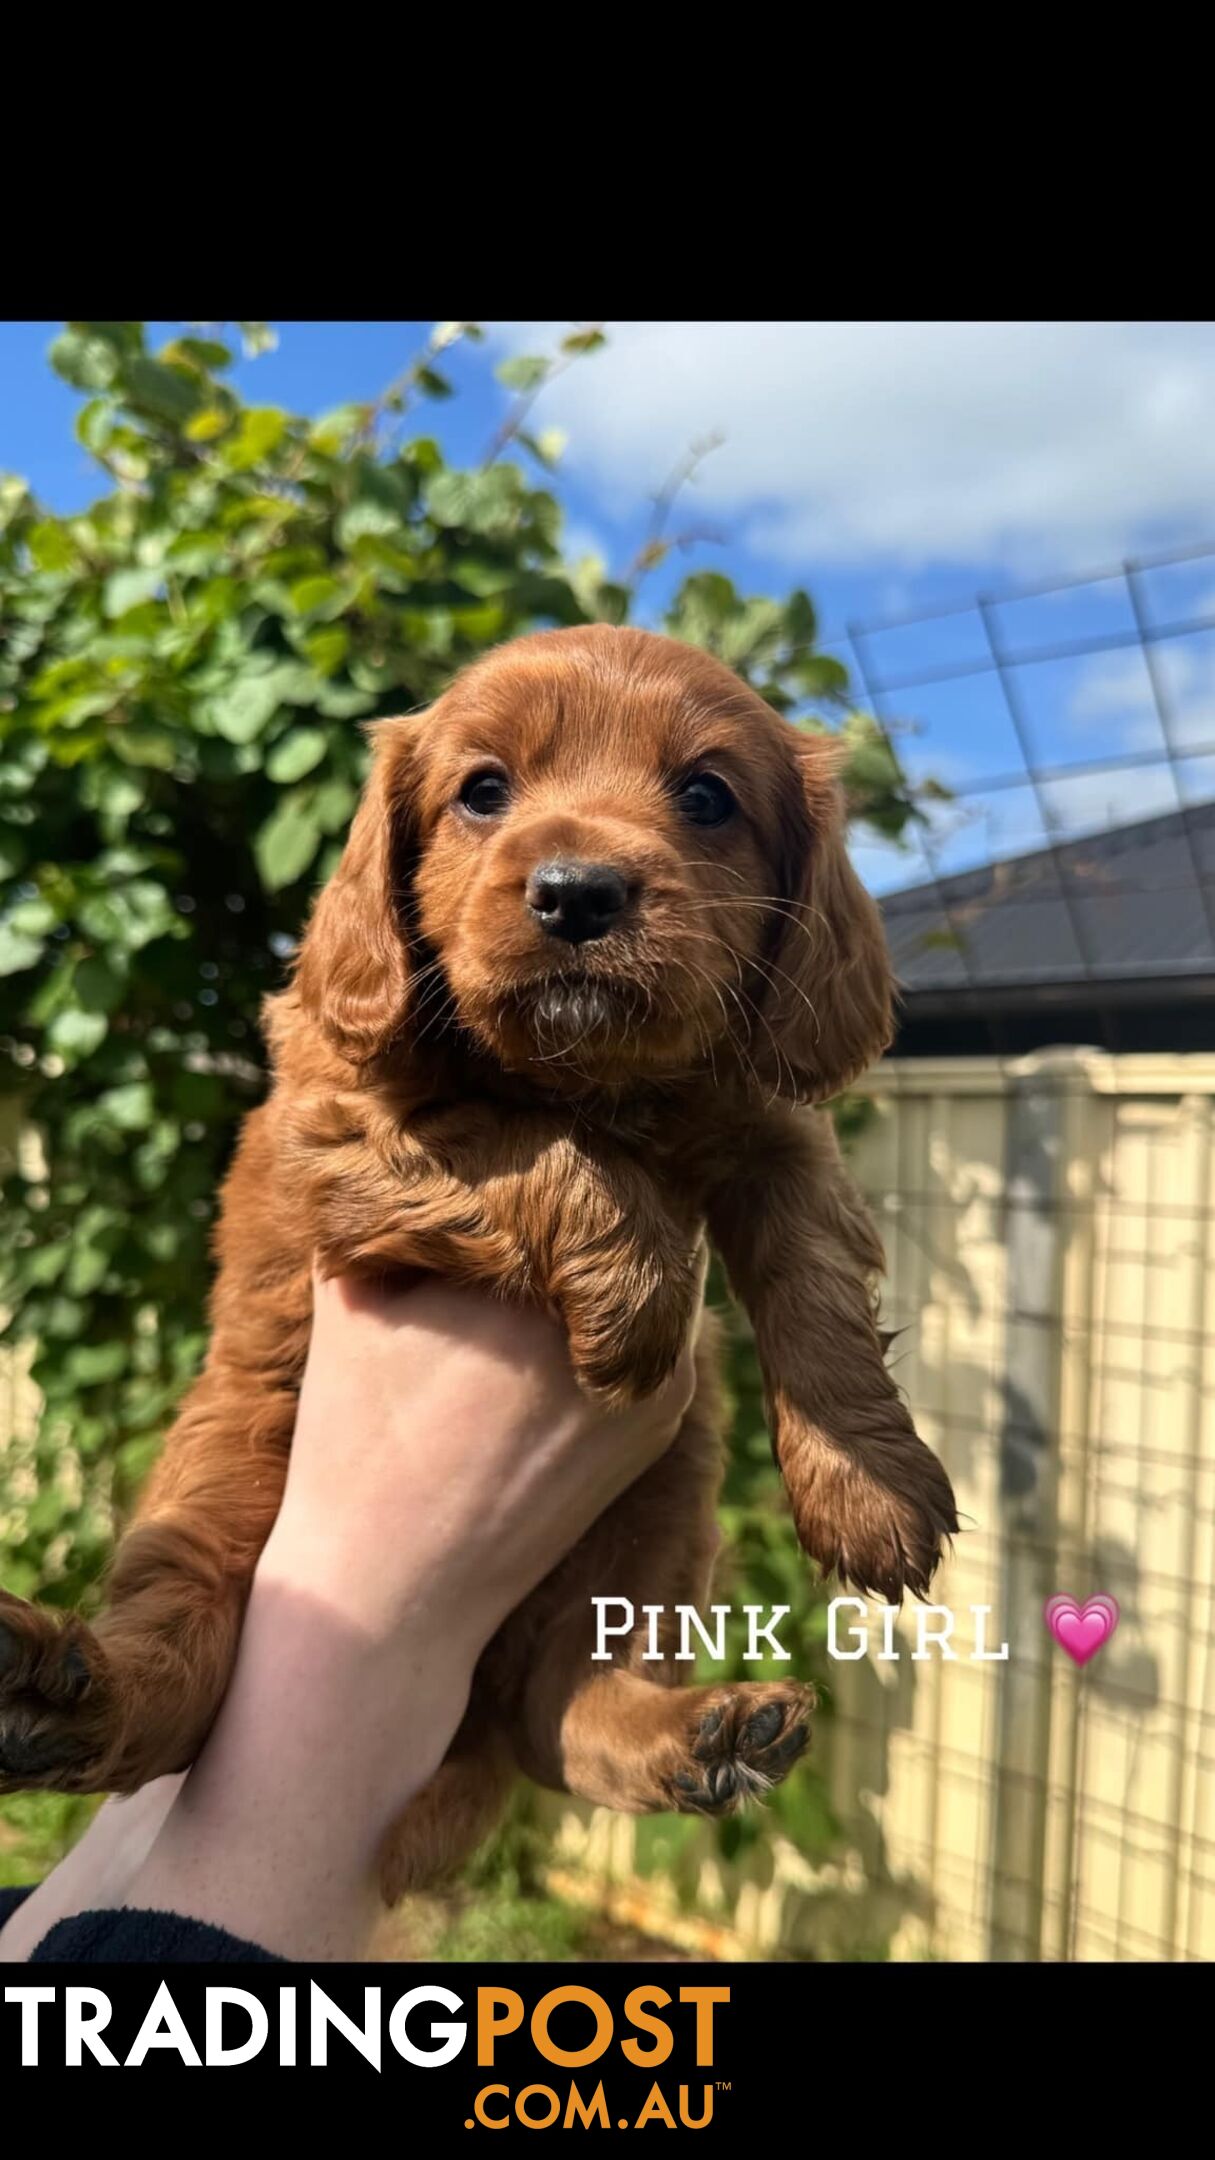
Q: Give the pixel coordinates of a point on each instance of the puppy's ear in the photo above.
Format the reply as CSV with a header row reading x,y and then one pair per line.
x,y
353,972
830,995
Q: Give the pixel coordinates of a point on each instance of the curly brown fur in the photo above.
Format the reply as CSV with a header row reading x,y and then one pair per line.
x,y
561,1118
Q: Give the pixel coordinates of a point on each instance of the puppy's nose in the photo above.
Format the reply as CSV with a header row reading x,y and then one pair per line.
x,y
576,900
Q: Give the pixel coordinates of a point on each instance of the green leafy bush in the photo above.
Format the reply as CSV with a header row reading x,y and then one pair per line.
x,y
184,668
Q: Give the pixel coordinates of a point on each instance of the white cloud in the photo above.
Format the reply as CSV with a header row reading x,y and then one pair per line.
x,y
1117,689
1025,443
1114,696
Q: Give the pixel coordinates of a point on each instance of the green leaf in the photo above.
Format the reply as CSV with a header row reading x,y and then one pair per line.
x,y
524,373
702,605
483,575
287,842
32,918
15,499
339,701
75,1034
335,429
257,338
612,604
295,754
431,383
63,1318
822,676
381,505
333,803
97,986
88,363
583,341
801,619
326,647
129,915
259,432
130,1108
240,714
89,1364
116,794
94,422
144,742
310,593
45,1264
128,588
17,952
485,502
754,630
51,546
169,393
207,424
482,625
449,333
207,352
13,852
125,338
89,1266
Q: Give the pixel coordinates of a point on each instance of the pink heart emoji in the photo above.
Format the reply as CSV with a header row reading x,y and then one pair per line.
x,y
1081,1629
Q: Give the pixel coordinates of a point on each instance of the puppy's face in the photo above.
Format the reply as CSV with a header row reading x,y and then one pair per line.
x,y
599,848
617,864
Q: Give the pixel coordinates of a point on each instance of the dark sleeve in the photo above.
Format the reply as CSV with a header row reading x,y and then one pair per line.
x,y
137,1938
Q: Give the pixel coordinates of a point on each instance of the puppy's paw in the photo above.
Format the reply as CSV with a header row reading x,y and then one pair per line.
x,y
56,1710
741,1743
621,1356
878,1517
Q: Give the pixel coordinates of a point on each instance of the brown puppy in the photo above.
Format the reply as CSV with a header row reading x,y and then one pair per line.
x,y
593,949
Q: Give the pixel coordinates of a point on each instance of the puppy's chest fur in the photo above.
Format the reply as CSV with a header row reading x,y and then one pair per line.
x,y
465,1118
594,1206
482,1138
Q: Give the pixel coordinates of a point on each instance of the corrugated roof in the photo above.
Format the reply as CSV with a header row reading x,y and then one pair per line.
x,y
1133,903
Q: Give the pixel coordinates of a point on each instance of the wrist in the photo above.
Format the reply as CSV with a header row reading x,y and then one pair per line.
x,y
325,1735
364,1627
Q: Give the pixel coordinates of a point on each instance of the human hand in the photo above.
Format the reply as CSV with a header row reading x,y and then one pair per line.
x,y
445,1459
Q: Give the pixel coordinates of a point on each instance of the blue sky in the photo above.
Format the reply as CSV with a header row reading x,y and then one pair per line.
x,y
886,467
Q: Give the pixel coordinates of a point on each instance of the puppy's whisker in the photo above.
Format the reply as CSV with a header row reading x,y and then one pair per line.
x,y
438,1015
762,907
704,1040
766,969
743,1050
738,994
555,1057
434,988
443,1008
702,975
782,1063
769,968
704,862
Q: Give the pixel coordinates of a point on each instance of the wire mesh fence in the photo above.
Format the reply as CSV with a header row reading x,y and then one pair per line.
x,y
1074,724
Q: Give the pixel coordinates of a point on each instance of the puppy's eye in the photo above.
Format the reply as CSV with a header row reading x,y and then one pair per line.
x,y
485,794
705,800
